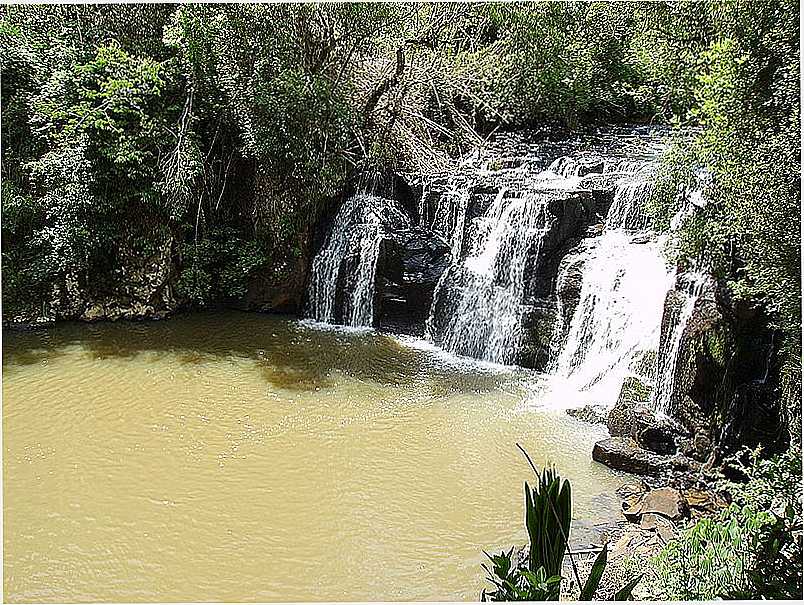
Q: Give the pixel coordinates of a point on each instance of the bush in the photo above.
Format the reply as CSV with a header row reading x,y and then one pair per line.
x,y
537,575
751,550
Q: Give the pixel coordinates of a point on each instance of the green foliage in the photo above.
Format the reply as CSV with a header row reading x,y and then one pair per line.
x,y
712,558
745,161
537,576
548,513
518,582
750,551
595,575
218,266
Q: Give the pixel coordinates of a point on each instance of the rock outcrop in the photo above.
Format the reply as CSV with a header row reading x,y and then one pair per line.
x,y
625,454
723,392
143,286
409,265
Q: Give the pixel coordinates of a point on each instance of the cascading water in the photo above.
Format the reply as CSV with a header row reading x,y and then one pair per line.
x,y
348,261
628,208
667,370
623,285
618,315
449,216
485,290
508,223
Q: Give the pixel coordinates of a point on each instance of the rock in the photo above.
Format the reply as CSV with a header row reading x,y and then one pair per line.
x,y
701,446
569,215
630,417
634,390
593,414
627,416
409,266
643,363
648,521
278,288
682,463
631,492
657,438
665,501
538,320
141,287
661,525
724,372
570,282
704,501
624,454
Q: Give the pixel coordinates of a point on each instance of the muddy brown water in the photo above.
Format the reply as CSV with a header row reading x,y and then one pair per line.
x,y
245,457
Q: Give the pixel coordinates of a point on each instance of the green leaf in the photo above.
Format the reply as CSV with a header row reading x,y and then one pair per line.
x,y
593,581
624,594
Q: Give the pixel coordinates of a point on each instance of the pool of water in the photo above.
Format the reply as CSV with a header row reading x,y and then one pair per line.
x,y
245,457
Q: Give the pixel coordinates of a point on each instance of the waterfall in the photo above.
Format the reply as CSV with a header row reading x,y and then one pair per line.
x,y
628,208
566,167
348,261
450,215
618,315
624,281
509,223
481,295
670,351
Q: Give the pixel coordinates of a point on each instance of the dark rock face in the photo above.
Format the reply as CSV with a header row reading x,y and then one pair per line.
x,y
145,290
725,387
409,265
568,290
624,454
569,217
279,288
658,438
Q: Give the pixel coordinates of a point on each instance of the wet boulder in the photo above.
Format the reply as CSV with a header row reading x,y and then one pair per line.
x,y
624,454
538,320
630,414
632,417
721,370
591,414
409,265
664,502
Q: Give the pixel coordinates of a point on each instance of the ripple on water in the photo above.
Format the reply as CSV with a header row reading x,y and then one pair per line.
x,y
213,456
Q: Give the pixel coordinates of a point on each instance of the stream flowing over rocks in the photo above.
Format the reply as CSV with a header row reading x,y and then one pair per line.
x,y
541,253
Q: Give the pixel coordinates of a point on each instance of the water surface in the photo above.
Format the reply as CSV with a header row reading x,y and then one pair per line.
x,y
244,457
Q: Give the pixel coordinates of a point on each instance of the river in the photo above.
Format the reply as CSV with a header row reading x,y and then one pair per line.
x,y
243,457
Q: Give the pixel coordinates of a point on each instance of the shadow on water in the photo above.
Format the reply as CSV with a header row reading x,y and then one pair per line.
x,y
289,354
